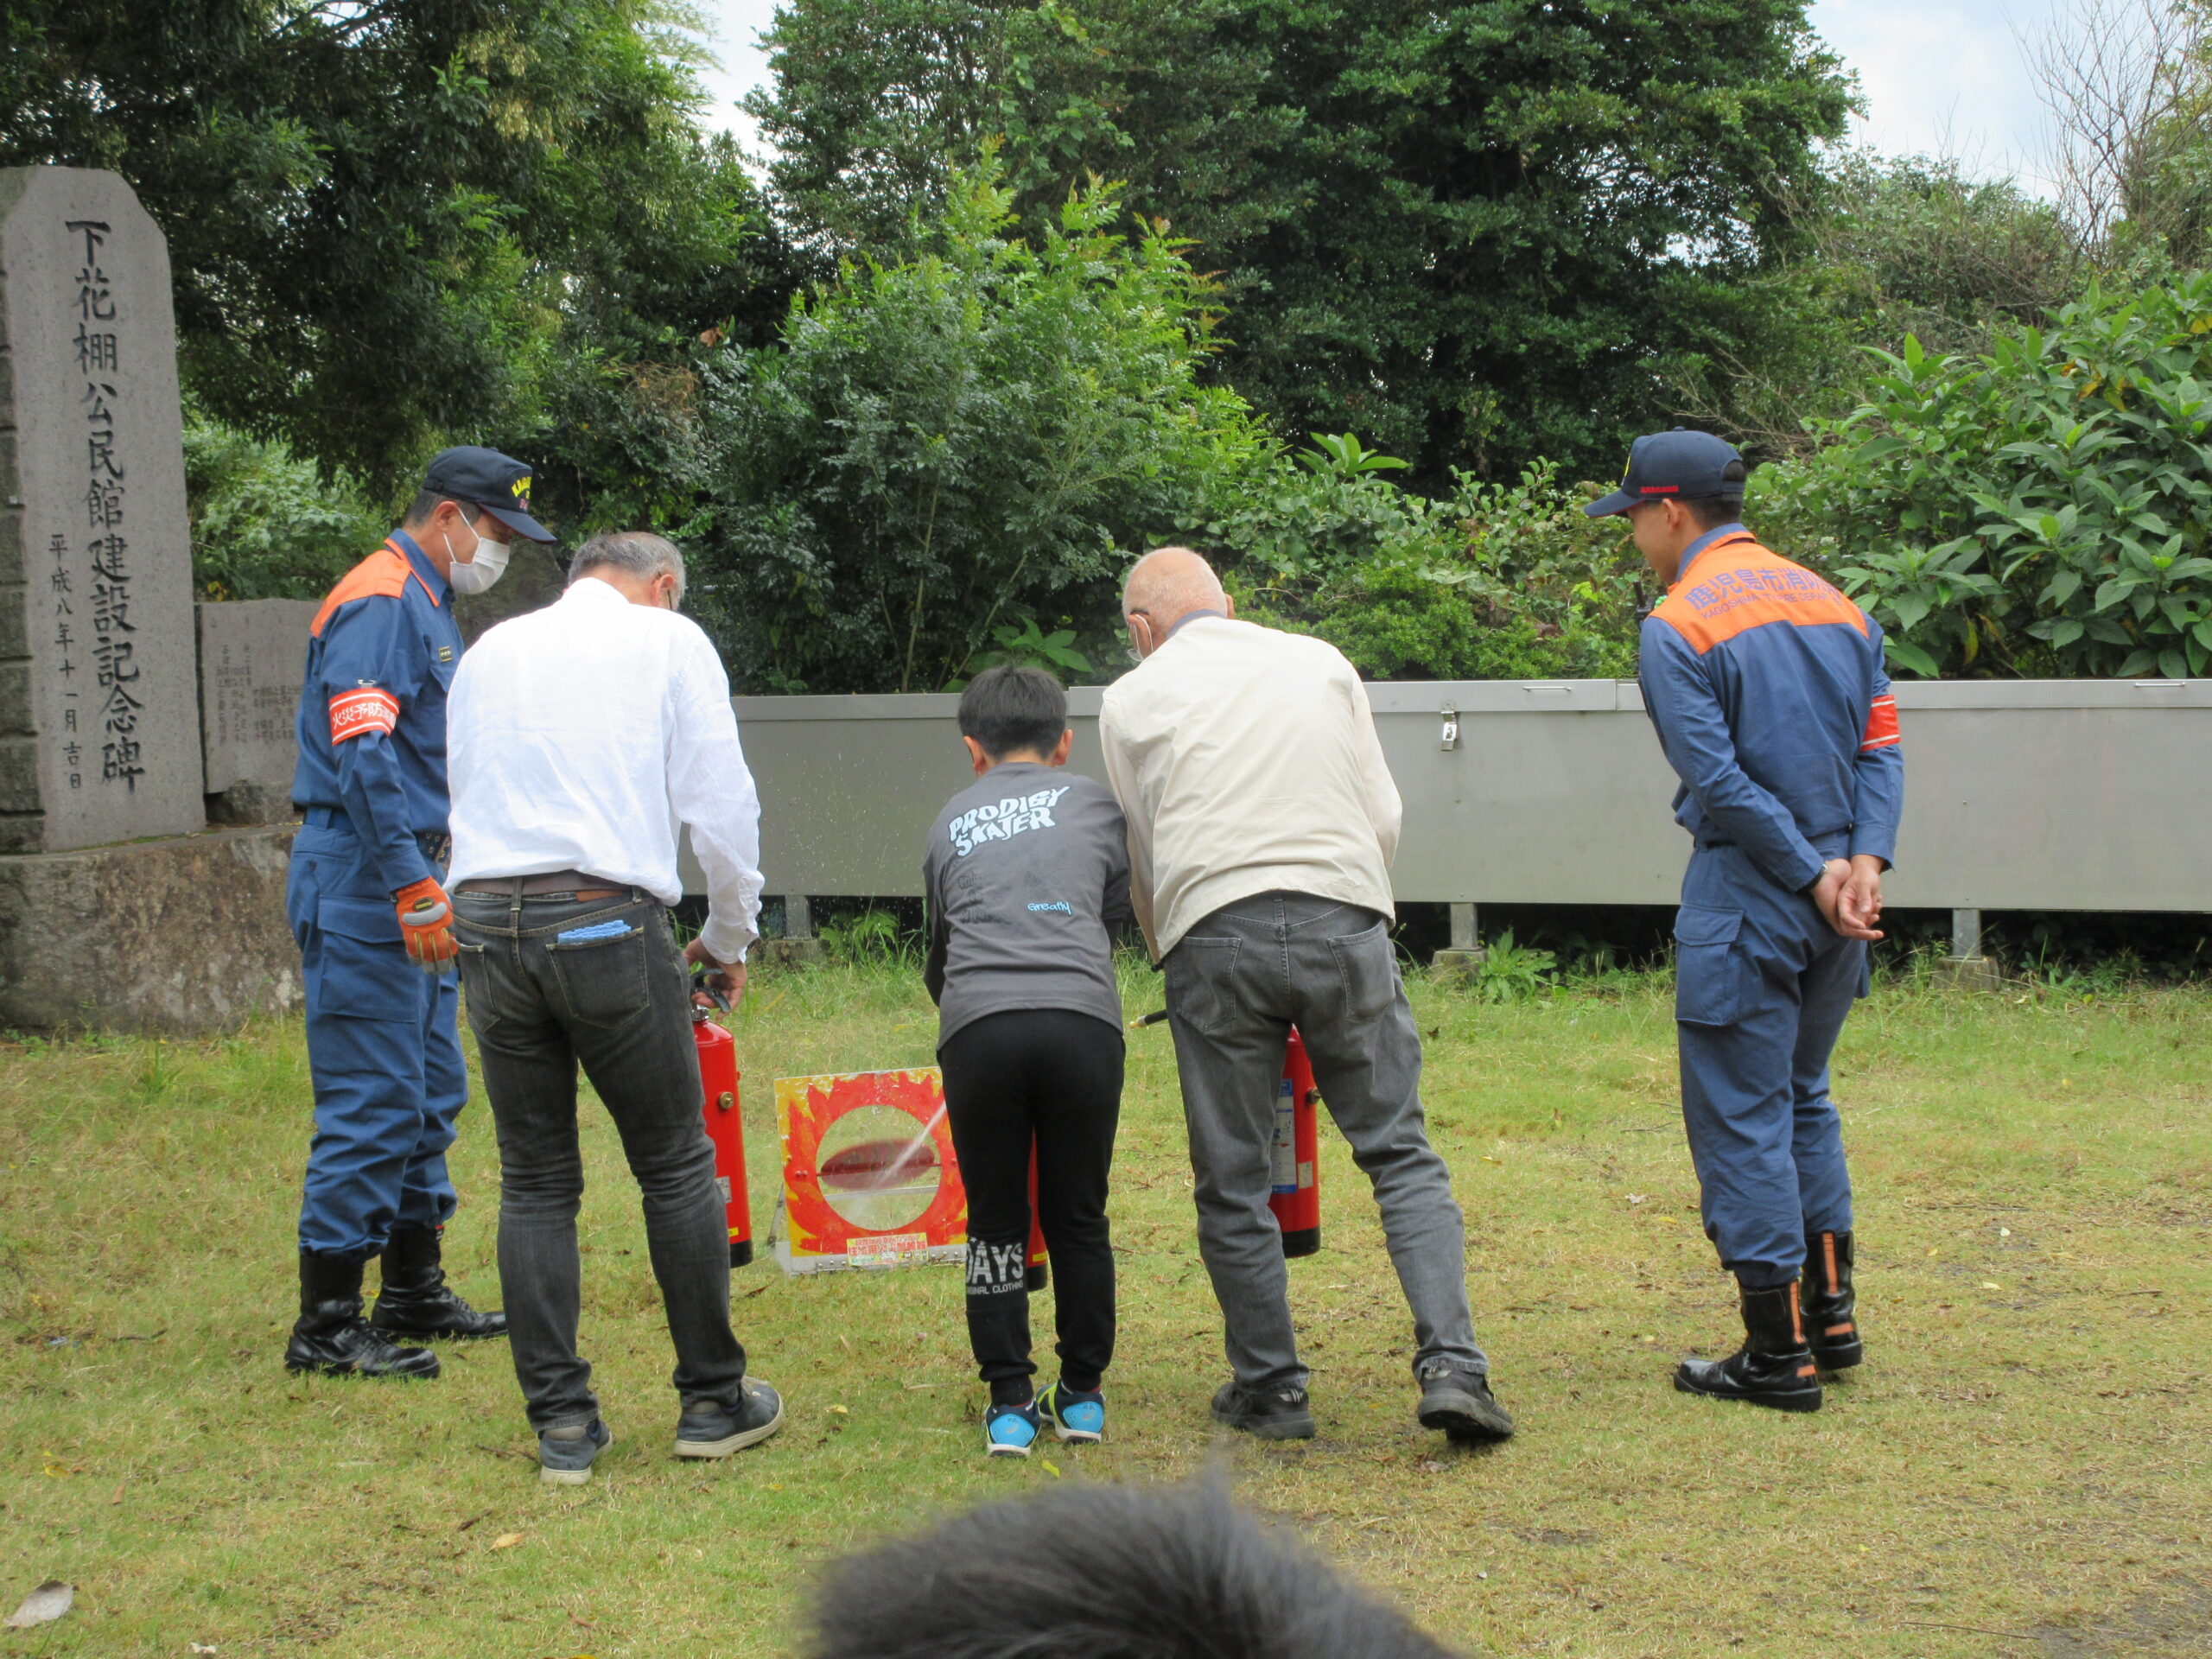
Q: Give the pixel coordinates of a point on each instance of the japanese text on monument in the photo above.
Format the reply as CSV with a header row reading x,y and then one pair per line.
x,y
105,595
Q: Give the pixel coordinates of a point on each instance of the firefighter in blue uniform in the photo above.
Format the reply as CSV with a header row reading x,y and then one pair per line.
x,y
367,902
1767,688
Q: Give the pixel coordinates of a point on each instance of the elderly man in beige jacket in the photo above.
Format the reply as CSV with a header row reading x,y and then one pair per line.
x,y
1263,821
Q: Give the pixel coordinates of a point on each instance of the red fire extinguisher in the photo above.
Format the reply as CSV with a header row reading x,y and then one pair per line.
x,y
1035,1273
1296,1199
724,1127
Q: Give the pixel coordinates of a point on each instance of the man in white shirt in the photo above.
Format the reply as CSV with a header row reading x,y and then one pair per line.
x,y
1262,820
581,738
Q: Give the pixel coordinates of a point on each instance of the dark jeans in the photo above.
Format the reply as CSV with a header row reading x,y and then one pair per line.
x,y
1053,1076
618,1003
1236,983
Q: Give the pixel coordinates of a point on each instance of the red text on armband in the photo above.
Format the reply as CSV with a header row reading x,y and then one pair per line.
x,y
352,713
1881,725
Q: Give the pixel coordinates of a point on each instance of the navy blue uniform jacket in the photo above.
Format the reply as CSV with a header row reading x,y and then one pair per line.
x,y
1768,690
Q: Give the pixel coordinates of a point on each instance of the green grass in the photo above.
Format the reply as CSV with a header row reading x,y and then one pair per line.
x,y
2020,1468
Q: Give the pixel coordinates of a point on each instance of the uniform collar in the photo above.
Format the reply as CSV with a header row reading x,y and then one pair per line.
x,y
1725,532
433,584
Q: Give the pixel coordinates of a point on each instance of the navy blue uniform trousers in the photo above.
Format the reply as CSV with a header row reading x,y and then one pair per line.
x,y
384,1049
1762,985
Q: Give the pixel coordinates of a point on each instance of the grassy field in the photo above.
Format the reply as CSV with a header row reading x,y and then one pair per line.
x,y
2021,1468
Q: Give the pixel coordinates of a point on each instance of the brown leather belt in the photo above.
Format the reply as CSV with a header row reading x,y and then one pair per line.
x,y
565,883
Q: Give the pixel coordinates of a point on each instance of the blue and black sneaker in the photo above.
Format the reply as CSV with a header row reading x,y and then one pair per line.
x,y
1075,1415
1010,1431
565,1455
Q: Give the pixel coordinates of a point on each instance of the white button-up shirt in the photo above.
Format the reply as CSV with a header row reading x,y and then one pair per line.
x,y
579,737
1246,762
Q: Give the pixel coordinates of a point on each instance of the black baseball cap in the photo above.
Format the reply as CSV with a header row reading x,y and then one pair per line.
x,y
485,478
1688,466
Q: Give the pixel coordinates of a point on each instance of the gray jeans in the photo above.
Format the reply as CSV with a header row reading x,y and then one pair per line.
x,y
611,995
1236,983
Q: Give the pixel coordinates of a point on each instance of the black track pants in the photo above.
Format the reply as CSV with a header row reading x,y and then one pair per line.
x,y
1053,1076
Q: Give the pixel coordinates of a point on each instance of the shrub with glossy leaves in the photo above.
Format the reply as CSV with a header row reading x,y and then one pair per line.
x,y
2042,510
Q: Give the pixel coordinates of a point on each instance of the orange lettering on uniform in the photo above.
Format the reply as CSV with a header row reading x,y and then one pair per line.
x,y
1738,585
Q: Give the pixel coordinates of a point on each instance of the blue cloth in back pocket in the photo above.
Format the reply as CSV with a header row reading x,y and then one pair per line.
x,y
598,930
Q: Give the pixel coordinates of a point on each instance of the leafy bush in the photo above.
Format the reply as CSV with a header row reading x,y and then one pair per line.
x,y
2040,510
1492,581
984,435
264,523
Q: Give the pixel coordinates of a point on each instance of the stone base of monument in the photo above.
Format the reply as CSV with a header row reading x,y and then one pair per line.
x,y
252,804
179,936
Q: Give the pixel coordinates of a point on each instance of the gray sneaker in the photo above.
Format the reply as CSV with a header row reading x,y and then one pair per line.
x,y
1459,1402
565,1455
710,1428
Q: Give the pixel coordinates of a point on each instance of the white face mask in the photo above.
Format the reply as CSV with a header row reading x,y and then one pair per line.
x,y
484,568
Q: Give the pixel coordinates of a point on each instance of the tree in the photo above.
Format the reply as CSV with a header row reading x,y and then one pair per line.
x,y
971,441
392,220
1475,234
1886,248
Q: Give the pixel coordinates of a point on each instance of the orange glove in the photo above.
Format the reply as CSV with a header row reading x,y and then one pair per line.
x,y
426,924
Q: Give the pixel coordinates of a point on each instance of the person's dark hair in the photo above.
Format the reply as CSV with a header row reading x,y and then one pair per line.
x,y
1007,710
1712,510
426,503
1103,1571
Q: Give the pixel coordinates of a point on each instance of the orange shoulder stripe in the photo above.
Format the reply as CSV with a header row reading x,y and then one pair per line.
x,y
383,574
1746,587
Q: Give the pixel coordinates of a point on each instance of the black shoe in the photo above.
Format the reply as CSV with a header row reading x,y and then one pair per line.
x,y
332,1339
1773,1368
1831,1306
415,1300
1268,1413
709,1429
1459,1402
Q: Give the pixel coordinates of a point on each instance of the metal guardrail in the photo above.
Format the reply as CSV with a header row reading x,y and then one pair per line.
x,y
2022,795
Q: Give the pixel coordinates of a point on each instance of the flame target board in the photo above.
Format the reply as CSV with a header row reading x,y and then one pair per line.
x,y
870,1179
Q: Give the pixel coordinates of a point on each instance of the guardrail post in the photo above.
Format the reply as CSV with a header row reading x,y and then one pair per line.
x,y
1465,954
798,945
1967,967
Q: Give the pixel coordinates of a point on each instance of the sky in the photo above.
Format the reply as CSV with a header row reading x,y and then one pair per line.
x,y
1938,75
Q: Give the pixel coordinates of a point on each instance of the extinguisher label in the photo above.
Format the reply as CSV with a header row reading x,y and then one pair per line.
x,y
721,1185
1283,1160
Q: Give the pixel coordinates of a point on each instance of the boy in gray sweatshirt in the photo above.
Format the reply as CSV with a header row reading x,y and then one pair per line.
x,y
1027,879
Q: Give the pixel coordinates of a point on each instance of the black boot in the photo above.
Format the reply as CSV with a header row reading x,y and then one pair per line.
x,y
1831,1307
1773,1368
332,1338
415,1300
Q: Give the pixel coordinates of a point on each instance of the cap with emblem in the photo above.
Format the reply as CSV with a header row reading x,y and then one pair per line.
x,y
485,478
1687,465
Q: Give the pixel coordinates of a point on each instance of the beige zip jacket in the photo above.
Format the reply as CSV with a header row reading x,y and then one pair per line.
x,y
1246,761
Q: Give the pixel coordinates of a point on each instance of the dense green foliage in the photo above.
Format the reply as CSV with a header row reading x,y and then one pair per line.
x,y
982,436
2042,509
1884,250
1477,233
266,524
1490,581
395,224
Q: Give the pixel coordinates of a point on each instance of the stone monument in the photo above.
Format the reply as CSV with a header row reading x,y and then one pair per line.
x,y
252,660
117,908
99,698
